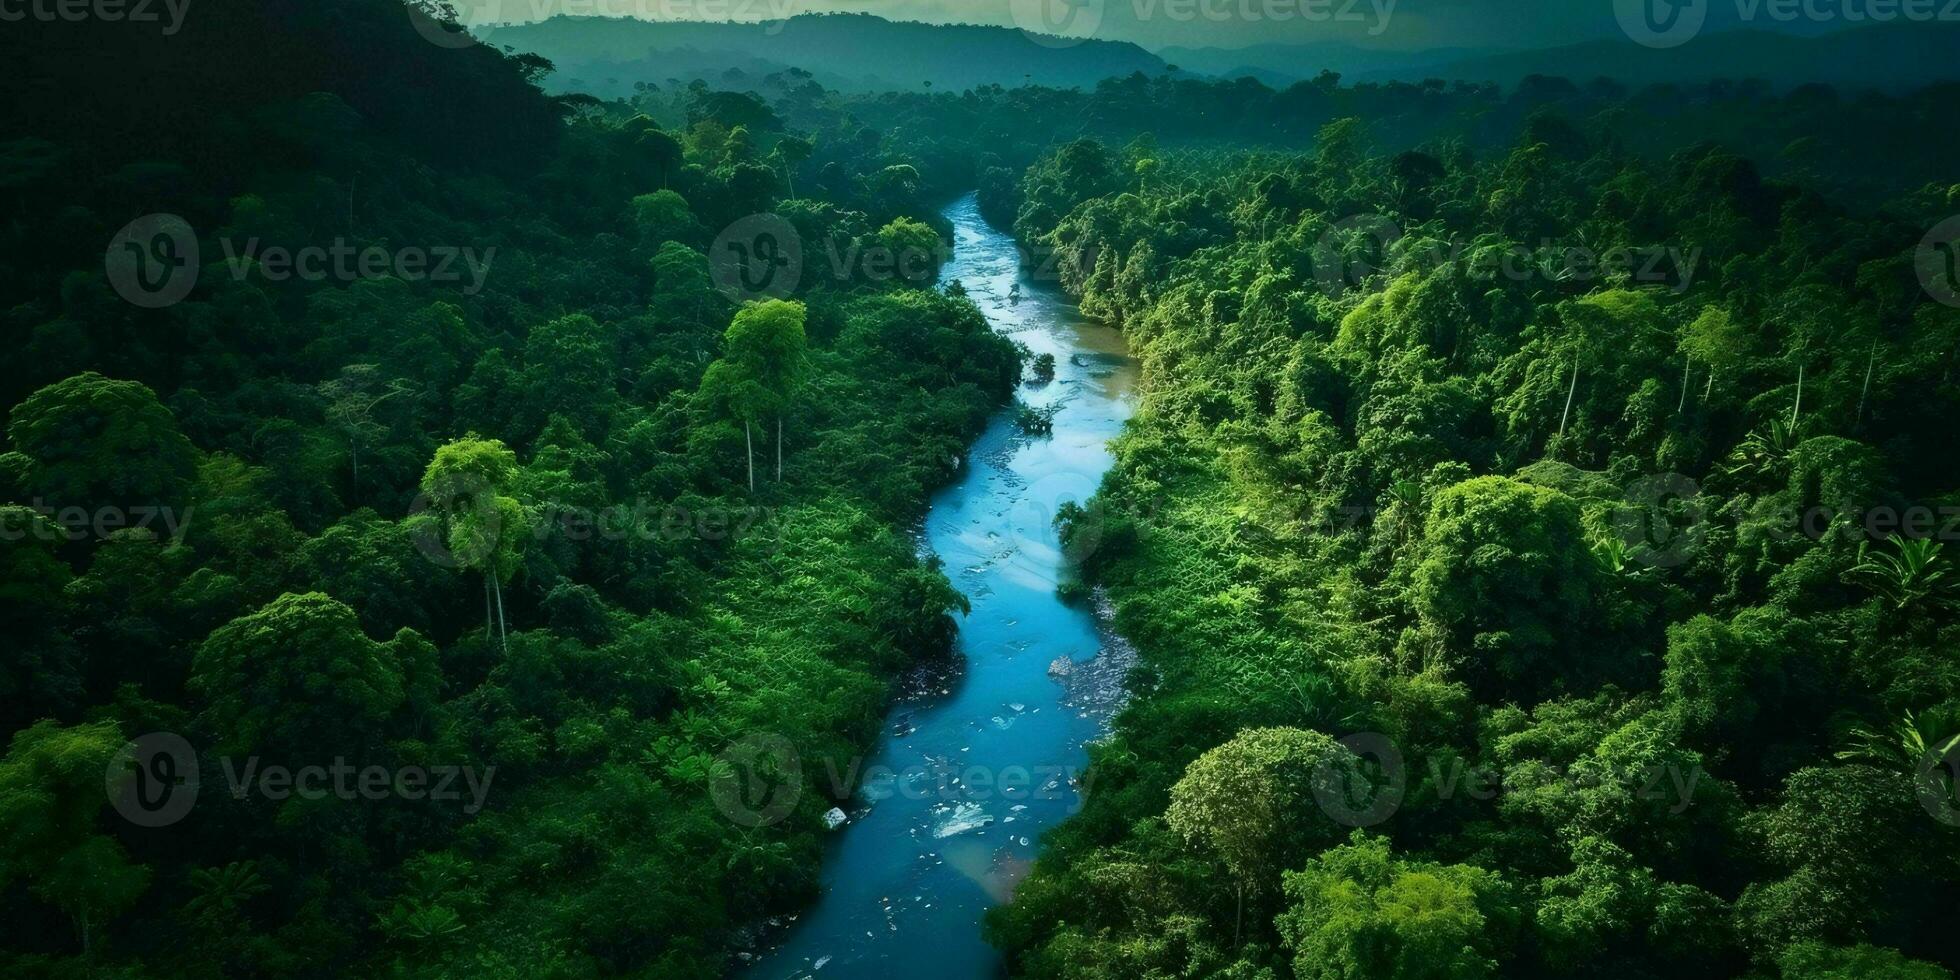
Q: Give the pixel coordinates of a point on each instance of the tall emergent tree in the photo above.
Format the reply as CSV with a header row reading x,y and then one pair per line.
x,y
483,529
763,361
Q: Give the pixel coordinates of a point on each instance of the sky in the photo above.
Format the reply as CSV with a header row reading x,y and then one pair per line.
x,y
1399,25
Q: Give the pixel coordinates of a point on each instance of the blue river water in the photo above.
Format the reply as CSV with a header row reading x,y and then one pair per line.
x,y
976,763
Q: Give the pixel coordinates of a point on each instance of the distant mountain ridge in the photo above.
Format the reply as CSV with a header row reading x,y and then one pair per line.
x,y
1286,63
607,55
1890,57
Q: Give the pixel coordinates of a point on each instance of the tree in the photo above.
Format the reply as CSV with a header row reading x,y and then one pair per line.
x,y
1715,339
298,678
570,370
1846,836
1612,322
95,440
1912,573
1817,961
663,216
371,563
40,674
1927,739
1743,686
351,400
1505,575
763,361
656,149
480,528
1807,319
51,795
914,249
1357,912
792,151
1254,802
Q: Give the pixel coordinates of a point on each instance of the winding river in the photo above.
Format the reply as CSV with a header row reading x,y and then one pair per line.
x,y
974,765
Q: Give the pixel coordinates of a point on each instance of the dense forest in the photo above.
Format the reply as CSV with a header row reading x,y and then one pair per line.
x,y
569,523
1533,527
1507,608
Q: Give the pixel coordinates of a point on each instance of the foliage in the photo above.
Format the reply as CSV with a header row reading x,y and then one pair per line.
x,y
339,469
1638,575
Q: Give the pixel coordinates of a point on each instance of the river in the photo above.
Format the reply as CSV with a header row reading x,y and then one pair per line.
x,y
983,760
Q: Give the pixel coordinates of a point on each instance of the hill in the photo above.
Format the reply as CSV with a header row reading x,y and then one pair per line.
x,y
856,52
1890,58
1282,64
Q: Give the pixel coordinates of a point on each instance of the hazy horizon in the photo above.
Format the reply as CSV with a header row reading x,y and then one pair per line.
x,y
1405,26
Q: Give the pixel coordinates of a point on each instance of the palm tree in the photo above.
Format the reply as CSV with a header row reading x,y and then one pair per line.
x,y
1764,448
1610,553
1909,743
222,892
1912,572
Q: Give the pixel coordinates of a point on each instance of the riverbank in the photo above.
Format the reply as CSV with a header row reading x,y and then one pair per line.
x,y
974,766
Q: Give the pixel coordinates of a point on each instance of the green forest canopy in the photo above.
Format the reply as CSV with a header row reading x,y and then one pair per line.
x,y
1615,540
